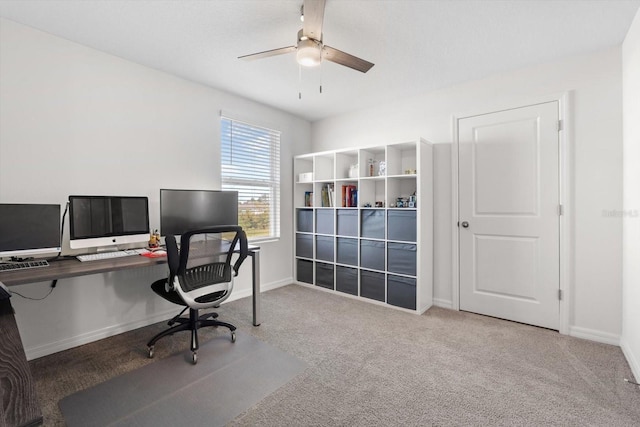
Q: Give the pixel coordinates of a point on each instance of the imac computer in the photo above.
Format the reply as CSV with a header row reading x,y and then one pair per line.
x,y
184,210
29,229
107,221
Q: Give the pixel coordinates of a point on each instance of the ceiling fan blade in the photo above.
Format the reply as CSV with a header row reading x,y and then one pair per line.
x,y
313,16
268,53
342,58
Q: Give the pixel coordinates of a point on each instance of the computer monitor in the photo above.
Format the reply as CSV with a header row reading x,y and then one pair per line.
x,y
29,229
98,221
184,210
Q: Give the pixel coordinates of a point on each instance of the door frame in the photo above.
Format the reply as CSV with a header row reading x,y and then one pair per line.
x,y
566,193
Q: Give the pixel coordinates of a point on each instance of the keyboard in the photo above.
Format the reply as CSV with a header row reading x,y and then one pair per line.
x,y
105,255
23,265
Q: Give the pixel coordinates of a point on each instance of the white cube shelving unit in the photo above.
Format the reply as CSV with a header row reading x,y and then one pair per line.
x,y
363,223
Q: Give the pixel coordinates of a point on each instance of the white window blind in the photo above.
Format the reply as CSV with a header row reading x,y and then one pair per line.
x,y
251,166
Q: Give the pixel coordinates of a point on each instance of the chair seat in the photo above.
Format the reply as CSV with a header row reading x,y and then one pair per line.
x,y
159,288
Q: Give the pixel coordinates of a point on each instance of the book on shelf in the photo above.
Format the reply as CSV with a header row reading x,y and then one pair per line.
x,y
308,198
327,196
349,195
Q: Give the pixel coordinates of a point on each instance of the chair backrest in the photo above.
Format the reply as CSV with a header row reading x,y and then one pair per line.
x,y
192,281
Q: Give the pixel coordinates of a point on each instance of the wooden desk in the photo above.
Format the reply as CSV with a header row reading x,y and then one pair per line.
x,y
71,267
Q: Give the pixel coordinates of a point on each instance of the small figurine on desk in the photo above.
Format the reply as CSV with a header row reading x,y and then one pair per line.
x,y
154,240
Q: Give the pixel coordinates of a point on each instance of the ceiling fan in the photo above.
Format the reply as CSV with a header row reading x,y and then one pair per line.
x,y
310,50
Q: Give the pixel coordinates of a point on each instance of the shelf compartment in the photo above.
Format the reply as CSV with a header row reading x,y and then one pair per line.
x,y
324,275
304,245
372,285
323,167
401,158
344,161
372,223
372,254
347,280
304,220
401,258
372,191
347,222
401,291
324,248
324,221
401,225
347,251
304,271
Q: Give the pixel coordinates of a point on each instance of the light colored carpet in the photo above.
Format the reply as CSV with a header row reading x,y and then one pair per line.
x,y
374,366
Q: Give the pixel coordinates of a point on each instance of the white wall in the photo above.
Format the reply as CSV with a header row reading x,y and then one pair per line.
x,y
594,82
74,120
630,342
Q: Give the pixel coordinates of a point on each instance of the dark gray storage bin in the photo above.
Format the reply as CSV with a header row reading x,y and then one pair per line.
x,y
347,251
324,275
304,271
372,254
401,225
304,245
401,291
347,222
324,221
305,220
347,280
372,224
324,248
372,285
401,258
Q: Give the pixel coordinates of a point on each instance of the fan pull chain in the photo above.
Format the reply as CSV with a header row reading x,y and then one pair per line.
x,y
321,75
299,81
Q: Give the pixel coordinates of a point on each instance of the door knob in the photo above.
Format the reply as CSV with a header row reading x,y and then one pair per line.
x,y
464,224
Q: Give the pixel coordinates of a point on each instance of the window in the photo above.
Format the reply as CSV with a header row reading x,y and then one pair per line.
x,y
251,166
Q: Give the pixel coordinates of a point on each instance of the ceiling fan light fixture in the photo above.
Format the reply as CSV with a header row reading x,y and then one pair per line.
x,y
309,53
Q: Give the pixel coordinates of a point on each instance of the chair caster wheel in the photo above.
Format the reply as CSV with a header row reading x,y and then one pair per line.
x,y
194,358
151,352
233,337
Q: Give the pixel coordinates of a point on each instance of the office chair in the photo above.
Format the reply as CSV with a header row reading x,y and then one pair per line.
x,y
203,281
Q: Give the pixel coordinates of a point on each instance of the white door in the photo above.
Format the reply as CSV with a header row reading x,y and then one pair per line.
x,y
508,213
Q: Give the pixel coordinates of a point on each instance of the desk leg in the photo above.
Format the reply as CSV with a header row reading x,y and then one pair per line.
x,y
255,280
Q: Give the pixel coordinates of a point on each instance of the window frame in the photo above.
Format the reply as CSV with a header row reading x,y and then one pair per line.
x,y
272,185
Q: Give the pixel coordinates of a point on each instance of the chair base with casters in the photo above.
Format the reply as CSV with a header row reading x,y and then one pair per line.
x,y
202,282
194,322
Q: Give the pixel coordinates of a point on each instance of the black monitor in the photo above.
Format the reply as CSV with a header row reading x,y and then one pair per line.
x,y
29,229
96,221
184,210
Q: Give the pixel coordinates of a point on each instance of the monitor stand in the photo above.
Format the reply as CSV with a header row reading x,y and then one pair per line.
x,y
103,249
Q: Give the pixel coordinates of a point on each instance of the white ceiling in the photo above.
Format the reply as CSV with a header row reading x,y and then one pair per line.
x,y
417,46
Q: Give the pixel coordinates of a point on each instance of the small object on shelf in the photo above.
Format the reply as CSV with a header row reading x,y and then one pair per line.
x,y
382,168
305,177
308,199
379,204
367,205
353,171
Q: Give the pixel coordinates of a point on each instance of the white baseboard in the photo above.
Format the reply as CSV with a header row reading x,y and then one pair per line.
x,y
444,303
594,335
632,359
87,337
